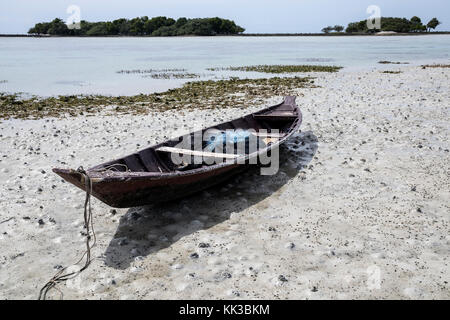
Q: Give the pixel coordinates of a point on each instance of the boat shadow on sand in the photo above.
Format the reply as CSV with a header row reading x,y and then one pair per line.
x,y
146,230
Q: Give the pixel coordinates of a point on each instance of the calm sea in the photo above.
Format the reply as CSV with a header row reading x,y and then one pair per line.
x,y
60,66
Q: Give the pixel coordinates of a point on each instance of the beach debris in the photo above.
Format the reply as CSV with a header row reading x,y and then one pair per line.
x,y
203,245
233,293
9,219
194,255
177,266
282,278
21,254
290,245
224,275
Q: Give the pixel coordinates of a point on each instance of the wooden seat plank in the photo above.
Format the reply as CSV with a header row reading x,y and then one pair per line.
x,y
199,153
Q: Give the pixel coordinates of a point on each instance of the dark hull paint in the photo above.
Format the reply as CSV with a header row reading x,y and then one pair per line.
x,y
137,192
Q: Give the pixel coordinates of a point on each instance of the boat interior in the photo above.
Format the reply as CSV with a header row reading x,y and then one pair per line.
x,y
269,126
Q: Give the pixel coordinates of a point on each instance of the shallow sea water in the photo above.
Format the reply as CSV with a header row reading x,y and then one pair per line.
x,y
61,66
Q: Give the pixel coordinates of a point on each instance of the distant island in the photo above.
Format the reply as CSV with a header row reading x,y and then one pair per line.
x,y
141,26
400,25
164,27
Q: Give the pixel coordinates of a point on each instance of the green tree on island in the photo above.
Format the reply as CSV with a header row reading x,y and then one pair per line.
x,y
330,28
401,25
142,26
327,29
433,23
338,28
416,24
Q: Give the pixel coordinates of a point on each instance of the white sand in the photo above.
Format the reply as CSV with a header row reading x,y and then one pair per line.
x,y
340,215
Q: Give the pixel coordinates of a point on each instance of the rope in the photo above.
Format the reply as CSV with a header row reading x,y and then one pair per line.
x,y
111,167
61,276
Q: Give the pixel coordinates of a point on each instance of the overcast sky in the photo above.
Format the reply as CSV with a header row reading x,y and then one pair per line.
x,y
17,16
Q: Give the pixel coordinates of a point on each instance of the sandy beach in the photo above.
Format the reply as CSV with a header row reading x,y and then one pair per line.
x,y
358,210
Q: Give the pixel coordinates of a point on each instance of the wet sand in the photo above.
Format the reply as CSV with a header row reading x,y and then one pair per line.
x,y
358,210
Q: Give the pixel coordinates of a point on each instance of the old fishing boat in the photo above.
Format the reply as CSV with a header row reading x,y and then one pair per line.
x,y
152,175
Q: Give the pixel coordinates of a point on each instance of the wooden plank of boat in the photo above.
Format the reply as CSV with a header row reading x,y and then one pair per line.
x,y
276,116
199,153
269,134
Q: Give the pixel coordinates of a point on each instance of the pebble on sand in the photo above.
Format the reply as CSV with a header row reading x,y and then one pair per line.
x,y
282,278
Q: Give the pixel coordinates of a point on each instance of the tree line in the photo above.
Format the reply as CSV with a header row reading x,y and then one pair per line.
x,y
401,25
141,26
336,28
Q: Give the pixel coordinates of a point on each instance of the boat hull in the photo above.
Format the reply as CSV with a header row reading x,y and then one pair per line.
x,y
134,192
147,178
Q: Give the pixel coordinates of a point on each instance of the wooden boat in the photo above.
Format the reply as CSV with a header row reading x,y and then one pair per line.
x,y
150,176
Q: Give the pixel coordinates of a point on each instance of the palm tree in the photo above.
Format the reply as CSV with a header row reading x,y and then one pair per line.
x,y
433,23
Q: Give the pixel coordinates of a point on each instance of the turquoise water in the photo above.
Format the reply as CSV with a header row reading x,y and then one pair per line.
x,y
57,66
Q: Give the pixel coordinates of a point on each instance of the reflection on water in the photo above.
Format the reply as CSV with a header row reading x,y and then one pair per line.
x,y
54,66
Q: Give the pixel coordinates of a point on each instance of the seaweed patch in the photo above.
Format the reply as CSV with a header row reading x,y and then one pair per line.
x,y
144,71
207,94
281,68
